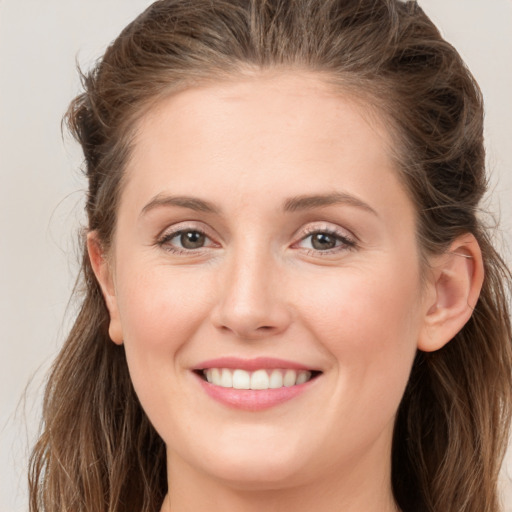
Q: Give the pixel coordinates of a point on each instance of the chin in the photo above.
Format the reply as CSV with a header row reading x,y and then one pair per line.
x,y
250,477
256,469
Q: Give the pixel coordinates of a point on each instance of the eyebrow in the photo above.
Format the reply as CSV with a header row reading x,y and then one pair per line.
x,y
192,203
293,204
309,202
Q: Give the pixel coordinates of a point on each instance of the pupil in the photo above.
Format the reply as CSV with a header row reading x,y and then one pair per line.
x,y
323,241
192,240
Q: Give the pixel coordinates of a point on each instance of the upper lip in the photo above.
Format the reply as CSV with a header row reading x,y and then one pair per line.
x,y
257,363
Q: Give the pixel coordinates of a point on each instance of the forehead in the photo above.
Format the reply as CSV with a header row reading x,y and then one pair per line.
x,y
262,136
287,97
284,122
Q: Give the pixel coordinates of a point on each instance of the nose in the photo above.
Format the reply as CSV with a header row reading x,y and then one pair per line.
x,y
251,302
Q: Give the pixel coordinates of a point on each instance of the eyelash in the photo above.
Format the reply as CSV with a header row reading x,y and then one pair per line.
x,y
165,239
346,243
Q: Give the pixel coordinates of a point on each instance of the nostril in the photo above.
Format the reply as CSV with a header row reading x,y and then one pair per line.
x,y
244,332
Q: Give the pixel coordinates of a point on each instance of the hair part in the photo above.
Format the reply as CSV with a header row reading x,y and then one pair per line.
x,y
98,450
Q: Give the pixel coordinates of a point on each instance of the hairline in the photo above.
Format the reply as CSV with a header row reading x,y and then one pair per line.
x,y
373,107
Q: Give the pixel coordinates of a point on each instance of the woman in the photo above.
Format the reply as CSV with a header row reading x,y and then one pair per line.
x,y
290,301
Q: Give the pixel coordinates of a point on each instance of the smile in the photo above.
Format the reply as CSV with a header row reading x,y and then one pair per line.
x,y
254,384
260,379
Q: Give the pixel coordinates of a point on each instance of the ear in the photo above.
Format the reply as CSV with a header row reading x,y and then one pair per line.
x,y
103,272
454,288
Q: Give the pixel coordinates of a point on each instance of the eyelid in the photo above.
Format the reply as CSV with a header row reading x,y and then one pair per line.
x,y
327,228
192,225
348,240
170,232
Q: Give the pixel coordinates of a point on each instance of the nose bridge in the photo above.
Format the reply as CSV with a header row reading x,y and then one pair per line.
x,y
251,303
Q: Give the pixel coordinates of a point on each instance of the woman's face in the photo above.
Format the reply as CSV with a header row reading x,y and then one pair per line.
x,y
263,237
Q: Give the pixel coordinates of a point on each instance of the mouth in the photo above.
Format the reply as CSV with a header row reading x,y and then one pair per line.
x,y
255,384
258,379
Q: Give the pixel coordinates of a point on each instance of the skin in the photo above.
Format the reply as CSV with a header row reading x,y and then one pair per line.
x,y
259,287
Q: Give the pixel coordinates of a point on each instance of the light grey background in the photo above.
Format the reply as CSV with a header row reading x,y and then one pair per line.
x,y
41,187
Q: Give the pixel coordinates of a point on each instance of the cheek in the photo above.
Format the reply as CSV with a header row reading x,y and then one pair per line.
x,y
160,310
367,307
369,326
369,323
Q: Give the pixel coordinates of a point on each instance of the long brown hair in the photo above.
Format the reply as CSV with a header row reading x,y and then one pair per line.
x,y
98,451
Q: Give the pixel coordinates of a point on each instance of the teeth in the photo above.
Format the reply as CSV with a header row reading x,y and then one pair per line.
x,y
215,374
276,380
302,377
259,379
241,379
290,378
226,378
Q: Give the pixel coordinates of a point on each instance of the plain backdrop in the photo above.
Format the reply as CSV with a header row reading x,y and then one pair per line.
x,y
41,188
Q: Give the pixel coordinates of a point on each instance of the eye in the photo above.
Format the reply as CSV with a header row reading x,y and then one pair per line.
x,y
190,239
184,240
326,241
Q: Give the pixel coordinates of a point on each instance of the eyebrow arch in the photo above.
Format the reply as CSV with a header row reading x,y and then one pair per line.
x,y
293,204
192,203
309,202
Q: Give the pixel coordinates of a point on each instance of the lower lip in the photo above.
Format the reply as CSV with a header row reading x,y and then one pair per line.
x,y
253,400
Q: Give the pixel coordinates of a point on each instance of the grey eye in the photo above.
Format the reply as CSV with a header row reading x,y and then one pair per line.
x,y
191,239
323,241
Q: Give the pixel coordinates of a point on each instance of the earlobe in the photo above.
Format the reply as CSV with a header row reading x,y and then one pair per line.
x,y
103,272
455,283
